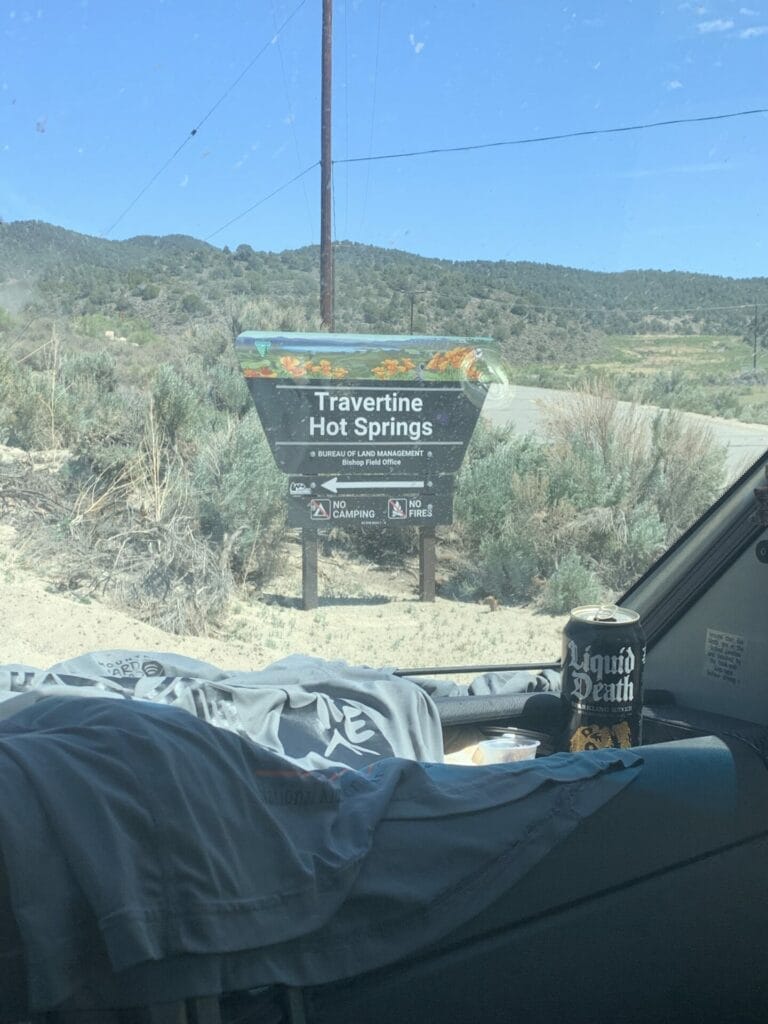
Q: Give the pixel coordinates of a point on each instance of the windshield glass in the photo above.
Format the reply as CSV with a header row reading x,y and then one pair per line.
x,y
392,358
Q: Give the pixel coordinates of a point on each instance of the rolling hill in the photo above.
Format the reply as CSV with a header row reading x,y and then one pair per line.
x,y
151,291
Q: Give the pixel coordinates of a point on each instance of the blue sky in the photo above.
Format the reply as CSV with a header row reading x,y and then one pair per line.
x,y
96,96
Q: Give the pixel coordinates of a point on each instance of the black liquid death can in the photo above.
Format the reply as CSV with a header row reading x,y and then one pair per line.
x,y
602,678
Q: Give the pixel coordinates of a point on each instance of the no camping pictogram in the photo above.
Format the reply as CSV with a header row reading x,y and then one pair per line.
x,y
320,508
397,508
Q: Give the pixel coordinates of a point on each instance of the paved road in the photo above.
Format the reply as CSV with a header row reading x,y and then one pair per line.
x,y
523,407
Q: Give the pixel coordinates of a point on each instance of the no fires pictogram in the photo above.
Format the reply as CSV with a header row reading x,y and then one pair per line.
x,y
397,508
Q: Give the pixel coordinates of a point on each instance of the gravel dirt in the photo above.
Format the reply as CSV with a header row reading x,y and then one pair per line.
x,y
367,616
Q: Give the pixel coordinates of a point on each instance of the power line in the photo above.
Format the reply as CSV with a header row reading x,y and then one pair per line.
x,y
148,185
248,67
263,200
202,121
551,138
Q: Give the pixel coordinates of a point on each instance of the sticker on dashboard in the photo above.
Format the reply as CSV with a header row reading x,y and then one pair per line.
x,y
724,656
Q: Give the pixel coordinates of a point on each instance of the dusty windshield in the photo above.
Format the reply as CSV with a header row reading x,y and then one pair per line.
x,y
400,385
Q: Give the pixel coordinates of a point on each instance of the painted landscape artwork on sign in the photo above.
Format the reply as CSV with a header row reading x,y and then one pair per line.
x,y
367,357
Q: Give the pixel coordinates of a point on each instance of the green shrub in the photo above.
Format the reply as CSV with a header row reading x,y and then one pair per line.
x,y
168,531
193,305
94,325
97,368
19,406
227,389
490,485
595,500
382,545
175,403
239,497
572,584
507,565
147,291
46,407
7,323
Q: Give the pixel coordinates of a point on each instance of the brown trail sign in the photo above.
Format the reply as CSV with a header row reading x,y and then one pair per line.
x,y
371,429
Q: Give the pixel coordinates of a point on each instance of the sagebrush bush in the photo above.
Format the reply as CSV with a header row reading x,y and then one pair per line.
x,y
570,585
7,322
507,563
589,506
70,396
681,390
96,368
227,389
171,532
176,404
383,545
19,407
239,497
169,499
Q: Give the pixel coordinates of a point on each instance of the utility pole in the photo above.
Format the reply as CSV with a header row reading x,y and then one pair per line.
x,y
326,174
309,534
412,297
754,346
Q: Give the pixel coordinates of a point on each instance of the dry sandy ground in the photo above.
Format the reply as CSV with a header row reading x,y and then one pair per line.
x,y
366,616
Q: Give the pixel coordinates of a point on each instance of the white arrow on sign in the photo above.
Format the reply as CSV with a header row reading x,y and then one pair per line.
x,y
334,485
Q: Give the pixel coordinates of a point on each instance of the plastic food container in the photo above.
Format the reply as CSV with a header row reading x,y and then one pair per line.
x,y
508,747
546,742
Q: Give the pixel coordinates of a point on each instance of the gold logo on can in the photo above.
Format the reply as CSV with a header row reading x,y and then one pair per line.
x,y
598,737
